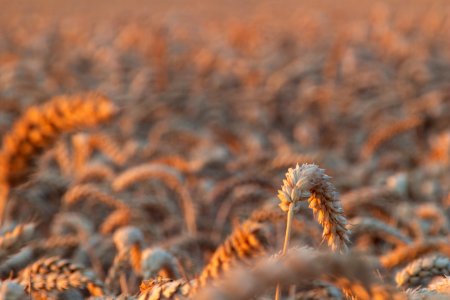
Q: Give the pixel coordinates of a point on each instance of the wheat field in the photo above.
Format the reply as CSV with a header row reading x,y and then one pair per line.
x,y
224,150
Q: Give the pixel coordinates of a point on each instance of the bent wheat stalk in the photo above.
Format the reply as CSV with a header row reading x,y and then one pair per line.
x,y
309,182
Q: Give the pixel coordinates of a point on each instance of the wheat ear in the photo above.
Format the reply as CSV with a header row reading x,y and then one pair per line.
x,y
247,241
90,191
422,270
59,274
308,182
38,129
372,226
171,177
407,253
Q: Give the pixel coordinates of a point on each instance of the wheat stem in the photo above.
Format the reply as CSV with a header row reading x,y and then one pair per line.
x,y
287,238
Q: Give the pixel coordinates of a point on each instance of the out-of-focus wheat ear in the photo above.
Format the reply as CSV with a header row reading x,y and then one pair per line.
x,y
12,241
89,191
406,253
118,218
95,172
40,126
434,213
372,226
67,223
309,182
384,134
11,290
158,262
350,272
58,274
422,270
169,176
45,246
247,241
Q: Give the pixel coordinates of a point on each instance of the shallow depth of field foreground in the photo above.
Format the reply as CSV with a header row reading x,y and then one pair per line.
x,y
224,150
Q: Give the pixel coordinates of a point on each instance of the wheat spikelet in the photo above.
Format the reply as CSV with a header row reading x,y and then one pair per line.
x,y
58,274
157,262
39,127
245,242
283,161
163,288
12,241
89,191
384,134
172,178
308,182
422,270
373,226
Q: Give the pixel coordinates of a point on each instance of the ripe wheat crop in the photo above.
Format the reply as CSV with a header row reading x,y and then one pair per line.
x,y
166,154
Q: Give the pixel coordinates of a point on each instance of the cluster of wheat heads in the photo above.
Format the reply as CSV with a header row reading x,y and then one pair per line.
x,y
175,197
